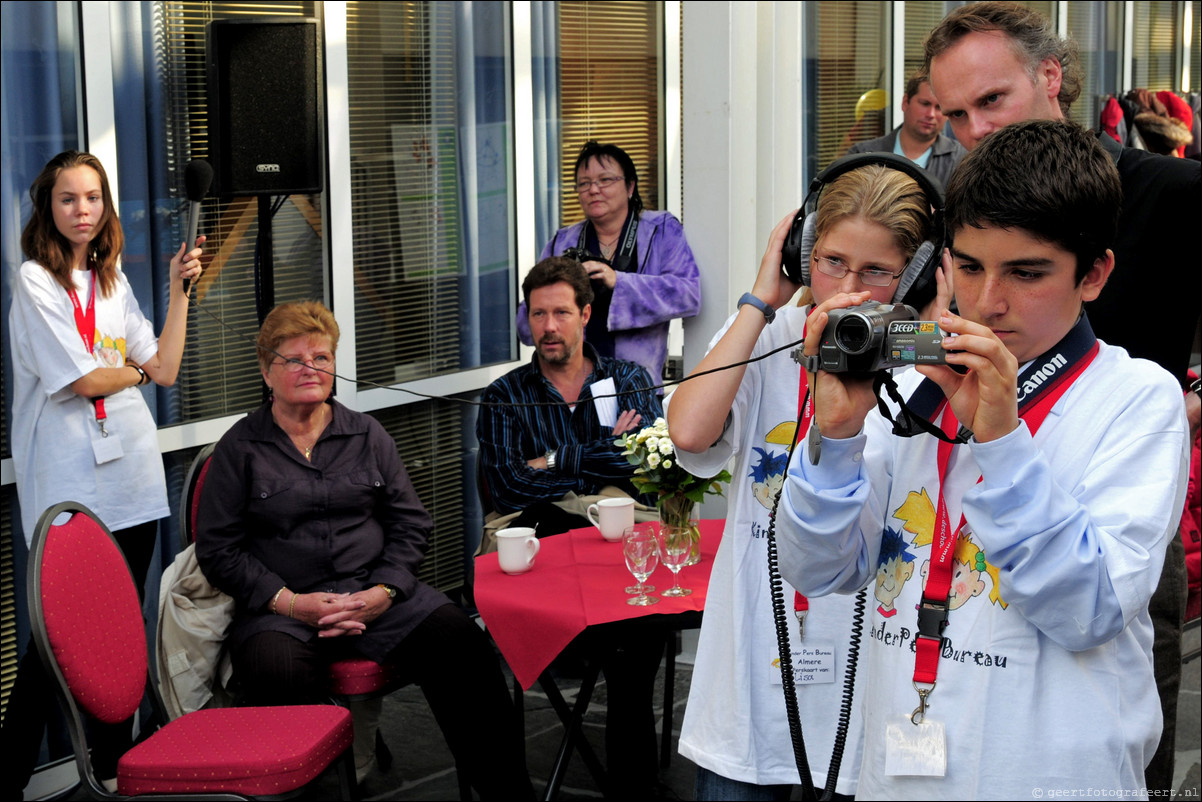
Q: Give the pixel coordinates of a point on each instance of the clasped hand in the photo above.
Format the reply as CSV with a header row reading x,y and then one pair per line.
x,y
337,614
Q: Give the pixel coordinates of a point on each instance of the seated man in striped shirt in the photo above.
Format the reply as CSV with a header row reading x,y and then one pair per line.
x,y
541,437
539,430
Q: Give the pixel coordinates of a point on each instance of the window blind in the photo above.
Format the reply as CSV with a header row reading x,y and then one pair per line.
x,y
610,90
850,62
1154,46
227,322
405,212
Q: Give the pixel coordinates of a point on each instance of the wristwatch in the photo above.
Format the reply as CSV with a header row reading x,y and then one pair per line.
x,y
389,589
751,300
1196,387
550,458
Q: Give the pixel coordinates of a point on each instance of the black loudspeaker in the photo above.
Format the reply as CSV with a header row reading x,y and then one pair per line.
x,y
265,106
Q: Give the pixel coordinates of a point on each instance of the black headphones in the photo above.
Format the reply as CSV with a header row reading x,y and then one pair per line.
x,y
916,286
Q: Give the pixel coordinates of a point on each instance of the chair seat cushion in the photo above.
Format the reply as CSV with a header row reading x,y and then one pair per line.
x,y
357,676
247,750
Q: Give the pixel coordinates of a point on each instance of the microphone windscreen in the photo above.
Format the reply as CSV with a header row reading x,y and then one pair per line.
x,y
198,177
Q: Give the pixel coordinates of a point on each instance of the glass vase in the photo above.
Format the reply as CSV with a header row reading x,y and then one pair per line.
x,y
676,512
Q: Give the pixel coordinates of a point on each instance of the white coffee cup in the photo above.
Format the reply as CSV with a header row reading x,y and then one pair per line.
x,y
516,548
614,516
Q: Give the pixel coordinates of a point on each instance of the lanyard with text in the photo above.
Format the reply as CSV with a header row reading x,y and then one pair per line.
x,y
805,415
625,253
1040,386
85,324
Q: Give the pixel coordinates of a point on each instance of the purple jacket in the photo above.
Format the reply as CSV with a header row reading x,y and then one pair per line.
x,y
666,286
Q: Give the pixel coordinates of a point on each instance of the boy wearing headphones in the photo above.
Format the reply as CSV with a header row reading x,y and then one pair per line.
x,y
1065,464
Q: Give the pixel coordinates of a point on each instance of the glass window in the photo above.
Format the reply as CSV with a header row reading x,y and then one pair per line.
x,y
39,72
1096,26
226,320
1154,46
431,137
609,83
846,75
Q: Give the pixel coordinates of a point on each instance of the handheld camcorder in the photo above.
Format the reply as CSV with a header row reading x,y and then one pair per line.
x,y
582,256
873,336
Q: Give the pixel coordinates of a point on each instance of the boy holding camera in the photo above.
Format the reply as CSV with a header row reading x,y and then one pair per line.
x,y
1019,657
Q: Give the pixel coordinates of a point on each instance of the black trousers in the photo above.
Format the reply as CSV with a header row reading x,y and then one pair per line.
x,y
452,661
31,701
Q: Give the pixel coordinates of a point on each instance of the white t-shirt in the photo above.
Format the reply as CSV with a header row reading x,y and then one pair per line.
x,y
53,428
1045,681
735,723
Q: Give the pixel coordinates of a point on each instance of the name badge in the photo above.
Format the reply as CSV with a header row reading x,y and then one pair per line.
x,y
106,449
813,664
915,750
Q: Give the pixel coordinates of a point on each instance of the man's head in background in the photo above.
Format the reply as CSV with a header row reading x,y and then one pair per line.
x,y
995,63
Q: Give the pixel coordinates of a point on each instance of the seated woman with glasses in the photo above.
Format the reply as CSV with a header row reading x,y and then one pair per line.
x,y
310,522
640,266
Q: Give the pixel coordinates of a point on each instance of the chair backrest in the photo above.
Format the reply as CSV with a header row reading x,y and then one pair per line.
x,y
189,508
85,612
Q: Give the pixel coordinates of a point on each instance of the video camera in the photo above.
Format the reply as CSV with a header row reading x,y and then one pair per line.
x,y
582,256
873,336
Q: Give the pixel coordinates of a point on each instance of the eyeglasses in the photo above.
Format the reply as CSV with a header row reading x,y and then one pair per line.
x,y
604,182
870,276
321,362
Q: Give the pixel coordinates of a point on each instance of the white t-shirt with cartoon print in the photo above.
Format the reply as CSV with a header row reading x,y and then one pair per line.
x,y
735,723
1045,682
53,428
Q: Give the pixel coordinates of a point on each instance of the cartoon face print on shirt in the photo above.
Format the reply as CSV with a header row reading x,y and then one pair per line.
x,y
768,475
108,352
918,515
896,566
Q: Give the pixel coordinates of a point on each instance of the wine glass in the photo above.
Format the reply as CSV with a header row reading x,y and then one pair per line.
x,y
641,549
642,588
675,547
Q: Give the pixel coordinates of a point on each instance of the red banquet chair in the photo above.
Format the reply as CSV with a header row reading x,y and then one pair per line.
x,y
357,682
88,629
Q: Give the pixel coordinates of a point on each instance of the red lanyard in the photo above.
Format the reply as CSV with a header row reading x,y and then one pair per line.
x,y
85,324
933,610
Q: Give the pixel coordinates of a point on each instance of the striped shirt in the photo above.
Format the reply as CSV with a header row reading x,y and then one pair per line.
x,y
511,434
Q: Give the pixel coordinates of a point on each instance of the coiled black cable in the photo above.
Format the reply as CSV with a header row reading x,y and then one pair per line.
x,y
781,620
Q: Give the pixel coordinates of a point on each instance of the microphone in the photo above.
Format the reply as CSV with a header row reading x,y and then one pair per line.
x,y
198,176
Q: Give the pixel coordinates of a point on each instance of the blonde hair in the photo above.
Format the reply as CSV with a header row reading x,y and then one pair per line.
x,y
880,195
295,319
971,555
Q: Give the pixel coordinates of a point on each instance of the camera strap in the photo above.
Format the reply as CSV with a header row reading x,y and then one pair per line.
x,y
624,256
1039,382
910,422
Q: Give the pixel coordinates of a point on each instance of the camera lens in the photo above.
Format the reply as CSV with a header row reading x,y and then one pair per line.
x,y
852,334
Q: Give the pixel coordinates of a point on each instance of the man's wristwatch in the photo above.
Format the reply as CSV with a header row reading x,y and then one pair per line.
x,y
550,458
389,589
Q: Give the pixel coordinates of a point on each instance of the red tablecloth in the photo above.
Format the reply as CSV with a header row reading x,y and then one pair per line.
x,y
578,580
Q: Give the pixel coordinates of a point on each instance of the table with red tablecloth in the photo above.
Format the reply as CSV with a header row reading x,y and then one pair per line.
x,y
578,581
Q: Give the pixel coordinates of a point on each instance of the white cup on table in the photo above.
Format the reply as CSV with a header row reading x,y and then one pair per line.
x,y
614,516
516,548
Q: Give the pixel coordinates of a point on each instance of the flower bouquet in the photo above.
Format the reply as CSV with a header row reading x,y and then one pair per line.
x,y
656,471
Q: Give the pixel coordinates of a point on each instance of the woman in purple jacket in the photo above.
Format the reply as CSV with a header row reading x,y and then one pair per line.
x,y
641,267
